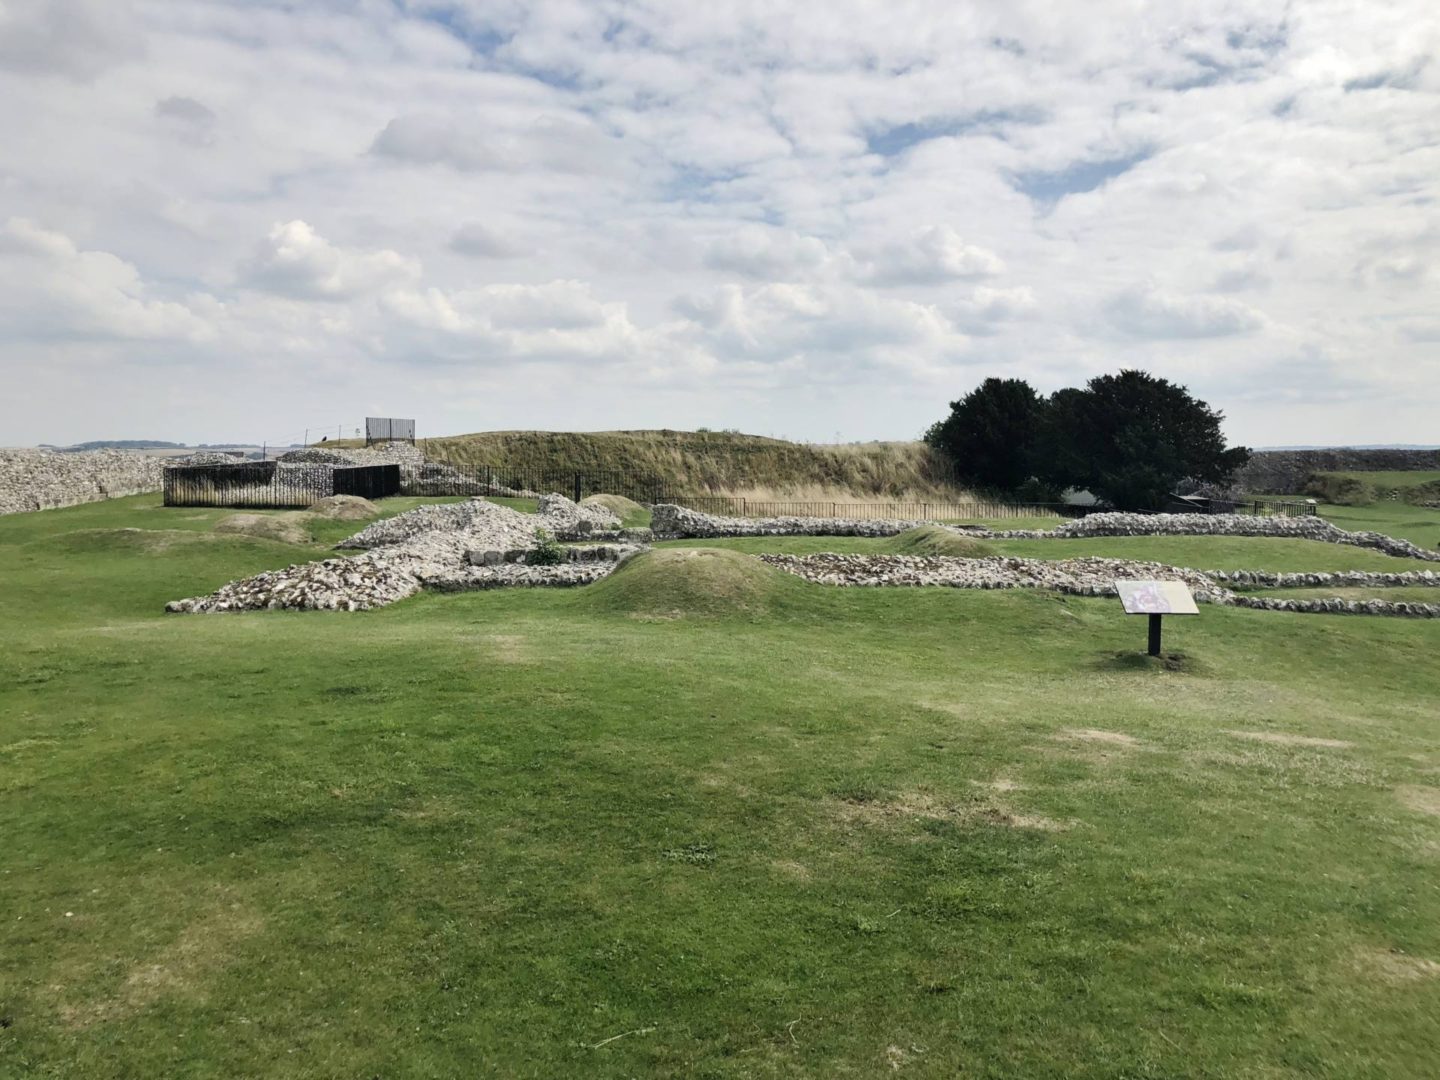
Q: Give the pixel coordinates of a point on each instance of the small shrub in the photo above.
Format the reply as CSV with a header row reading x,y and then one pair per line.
x,y
548,551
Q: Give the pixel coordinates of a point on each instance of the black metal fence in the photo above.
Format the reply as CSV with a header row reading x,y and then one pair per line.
x,y
264,485
1258,507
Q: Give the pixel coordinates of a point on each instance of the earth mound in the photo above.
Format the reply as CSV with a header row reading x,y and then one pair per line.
x,y
345,508
933,540
618,505
286,528
689,583
110,541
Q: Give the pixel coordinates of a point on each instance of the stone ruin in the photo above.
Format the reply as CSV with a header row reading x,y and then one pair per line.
x,y
481,545
435,547
46,479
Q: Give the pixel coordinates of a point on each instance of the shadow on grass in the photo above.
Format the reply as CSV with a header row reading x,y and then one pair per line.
x,y
1137,661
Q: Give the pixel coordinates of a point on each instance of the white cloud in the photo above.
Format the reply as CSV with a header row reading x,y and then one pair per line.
x,y
930,257
482,242
294,260
987,309
546,142
74,38
783,323
192,120
50,289
1150,312
767,254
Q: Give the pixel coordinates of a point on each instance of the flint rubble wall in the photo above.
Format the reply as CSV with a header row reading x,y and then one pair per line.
x,y
676,522
43,479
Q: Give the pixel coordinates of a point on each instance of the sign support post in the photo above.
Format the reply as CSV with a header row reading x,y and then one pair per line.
x,y
1155,634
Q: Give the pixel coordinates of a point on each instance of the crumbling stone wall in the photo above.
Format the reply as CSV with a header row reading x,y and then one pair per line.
x,y
43,479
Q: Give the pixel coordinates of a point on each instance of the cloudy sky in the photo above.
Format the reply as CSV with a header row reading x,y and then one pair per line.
x,y
235,220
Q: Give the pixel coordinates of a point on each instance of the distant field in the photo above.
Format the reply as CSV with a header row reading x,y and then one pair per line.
x,y
1412,478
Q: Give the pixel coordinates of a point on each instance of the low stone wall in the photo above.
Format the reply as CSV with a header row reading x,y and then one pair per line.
x,y
1295,528
579,553
1284,472
676,522
43,479
679,523
1337,606
1087,576
1339,579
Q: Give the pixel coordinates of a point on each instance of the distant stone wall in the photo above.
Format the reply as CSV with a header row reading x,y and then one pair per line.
x,y
1284,472
42,479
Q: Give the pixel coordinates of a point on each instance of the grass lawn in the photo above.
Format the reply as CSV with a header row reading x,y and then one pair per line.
x,y
819,832
1418,524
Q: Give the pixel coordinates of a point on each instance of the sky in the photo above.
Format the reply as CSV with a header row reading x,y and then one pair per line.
x,y
242,220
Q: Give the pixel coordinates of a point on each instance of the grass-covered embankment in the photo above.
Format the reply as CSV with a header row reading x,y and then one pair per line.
x,y
802,831
716,462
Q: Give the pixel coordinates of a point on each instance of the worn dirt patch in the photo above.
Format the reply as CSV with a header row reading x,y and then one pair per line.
x,y
286,528
182,969
1424,799
1280,738
791,869
345,508
998,784
921,805
508,648
1096,735
1393,967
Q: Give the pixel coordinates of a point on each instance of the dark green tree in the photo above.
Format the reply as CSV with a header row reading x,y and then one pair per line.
x,y
991,434
1131,438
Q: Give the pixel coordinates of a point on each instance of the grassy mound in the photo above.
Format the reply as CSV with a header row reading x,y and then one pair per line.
x,y
933,540
286,528
123,541
631,514
345,508
680,583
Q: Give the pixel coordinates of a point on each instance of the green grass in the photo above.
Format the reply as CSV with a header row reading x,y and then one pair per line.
x,y
816,832
1418,524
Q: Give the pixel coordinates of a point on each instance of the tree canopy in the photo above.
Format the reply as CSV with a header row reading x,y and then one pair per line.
x,y
991,432
1128,438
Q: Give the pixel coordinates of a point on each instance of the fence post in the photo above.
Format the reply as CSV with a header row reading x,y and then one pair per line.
x,y
577,487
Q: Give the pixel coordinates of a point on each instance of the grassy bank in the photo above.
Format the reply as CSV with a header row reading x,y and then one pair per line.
x,y
715,462
613,832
